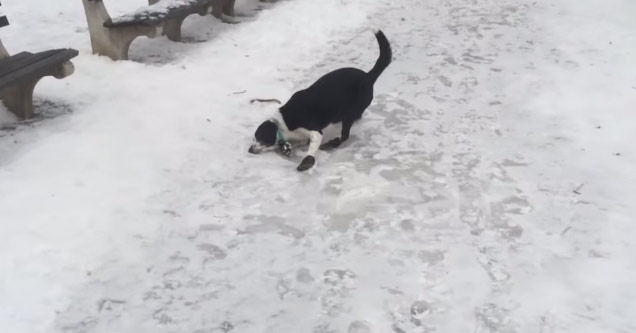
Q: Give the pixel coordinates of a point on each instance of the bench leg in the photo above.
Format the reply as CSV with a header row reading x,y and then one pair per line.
x,y
3,52
19,99
217,9
220,7
115,43
116,47
228,8
172,28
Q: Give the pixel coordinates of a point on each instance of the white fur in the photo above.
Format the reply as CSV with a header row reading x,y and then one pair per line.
x,y
315,139
299,134
258,148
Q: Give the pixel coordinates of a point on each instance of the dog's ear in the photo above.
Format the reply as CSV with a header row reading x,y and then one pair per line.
x,y
266,133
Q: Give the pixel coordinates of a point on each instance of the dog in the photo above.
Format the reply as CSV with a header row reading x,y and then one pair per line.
x,y
340,96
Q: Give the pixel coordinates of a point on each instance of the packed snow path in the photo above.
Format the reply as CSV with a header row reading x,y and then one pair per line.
x,y
489,187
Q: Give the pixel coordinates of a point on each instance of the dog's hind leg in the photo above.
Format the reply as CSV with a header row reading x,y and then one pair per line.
x,y
315,139
344,136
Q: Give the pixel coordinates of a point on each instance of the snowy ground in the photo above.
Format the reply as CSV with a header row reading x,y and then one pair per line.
x,y
489,188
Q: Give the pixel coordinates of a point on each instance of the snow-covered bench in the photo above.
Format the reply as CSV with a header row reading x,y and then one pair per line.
x,y
21,72
112,36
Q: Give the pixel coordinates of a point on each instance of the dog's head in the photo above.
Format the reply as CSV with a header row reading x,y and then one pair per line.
x,y
265,137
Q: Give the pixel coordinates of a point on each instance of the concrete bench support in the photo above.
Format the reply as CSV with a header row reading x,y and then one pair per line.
x,y
220,7
112,36
172,27
113,42
17,85
21,72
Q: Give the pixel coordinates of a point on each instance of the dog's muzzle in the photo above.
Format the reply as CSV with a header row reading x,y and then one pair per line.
x,y
256,148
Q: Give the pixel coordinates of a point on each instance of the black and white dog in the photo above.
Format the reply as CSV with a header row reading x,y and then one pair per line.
x,y
340,96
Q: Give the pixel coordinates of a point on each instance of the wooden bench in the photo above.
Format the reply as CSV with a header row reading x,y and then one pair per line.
x,y
21,72
112,37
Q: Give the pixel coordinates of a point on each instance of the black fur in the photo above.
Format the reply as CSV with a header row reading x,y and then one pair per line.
x,y
339,96
266,133
306,163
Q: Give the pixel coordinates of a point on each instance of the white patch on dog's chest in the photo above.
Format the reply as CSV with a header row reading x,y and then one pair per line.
x,y
302,134
299,134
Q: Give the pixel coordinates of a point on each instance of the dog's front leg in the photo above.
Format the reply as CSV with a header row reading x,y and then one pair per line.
x,y
344,136
315,139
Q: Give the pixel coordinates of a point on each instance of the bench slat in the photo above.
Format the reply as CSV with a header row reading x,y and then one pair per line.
x,y
29,65
158,12
19,60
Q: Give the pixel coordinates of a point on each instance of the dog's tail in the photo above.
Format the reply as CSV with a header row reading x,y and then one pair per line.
x,y
385,57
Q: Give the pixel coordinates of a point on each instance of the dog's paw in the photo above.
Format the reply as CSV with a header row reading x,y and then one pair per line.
x,y
285,149
307,163
331,144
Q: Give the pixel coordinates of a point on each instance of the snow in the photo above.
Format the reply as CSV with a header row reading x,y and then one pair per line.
x,y
6,117
489,187
160,8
